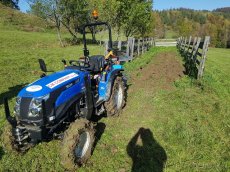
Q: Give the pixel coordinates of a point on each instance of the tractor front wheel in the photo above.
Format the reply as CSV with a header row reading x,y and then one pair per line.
x,y
77,144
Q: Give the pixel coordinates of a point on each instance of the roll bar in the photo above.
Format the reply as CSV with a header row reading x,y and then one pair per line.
x,y
86,51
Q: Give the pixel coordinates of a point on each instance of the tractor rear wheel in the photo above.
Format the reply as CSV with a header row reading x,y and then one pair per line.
x,y
77,144
117,99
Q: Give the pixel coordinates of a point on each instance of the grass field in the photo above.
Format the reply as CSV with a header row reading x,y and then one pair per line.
x,y
167,125
170,34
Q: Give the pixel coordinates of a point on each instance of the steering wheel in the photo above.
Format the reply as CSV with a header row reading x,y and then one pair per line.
x,y
82,62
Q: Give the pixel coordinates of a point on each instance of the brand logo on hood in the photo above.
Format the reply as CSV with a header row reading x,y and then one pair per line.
x,y
62,80
34,88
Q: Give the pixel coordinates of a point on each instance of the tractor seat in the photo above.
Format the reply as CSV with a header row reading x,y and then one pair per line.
x,y
96,63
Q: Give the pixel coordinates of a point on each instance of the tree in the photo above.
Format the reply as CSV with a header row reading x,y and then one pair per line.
x,y
47,9
69,13
10,3
184,27
158,26
134,16
131,16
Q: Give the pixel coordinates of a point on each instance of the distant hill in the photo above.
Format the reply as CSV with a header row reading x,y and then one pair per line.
x,y
188,22
223,11
13,18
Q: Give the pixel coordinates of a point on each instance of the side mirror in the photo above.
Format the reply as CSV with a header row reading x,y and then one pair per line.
x,y
42,65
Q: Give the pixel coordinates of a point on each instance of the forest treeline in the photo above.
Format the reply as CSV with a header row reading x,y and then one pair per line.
x,y
188,22
131,18
127,17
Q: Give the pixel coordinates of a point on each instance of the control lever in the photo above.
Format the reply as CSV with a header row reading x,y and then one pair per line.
x,y
71,62
64,62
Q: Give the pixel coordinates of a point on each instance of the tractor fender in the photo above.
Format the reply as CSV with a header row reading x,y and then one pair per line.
x,y
62,109
88,96
112,77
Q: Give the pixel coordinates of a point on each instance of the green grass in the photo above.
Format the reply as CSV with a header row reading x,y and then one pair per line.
x,y
197,137
15,19
171,34
187,127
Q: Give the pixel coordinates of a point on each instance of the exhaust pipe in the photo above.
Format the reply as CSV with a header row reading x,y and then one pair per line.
x,y
9,118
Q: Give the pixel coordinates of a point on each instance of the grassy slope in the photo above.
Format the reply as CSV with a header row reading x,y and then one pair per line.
x,y
170,34
197,122
189,123
16,19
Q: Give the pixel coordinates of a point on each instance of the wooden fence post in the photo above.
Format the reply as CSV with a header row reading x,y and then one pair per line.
x,y
119,45
138,47
193,57
132,47
203,58
152,42
106,43
128,47
142,46
178,42
193,64
185,42
193,45
190,39
182,43
148,44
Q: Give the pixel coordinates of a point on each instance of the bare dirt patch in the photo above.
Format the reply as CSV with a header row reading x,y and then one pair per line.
x,y
160,74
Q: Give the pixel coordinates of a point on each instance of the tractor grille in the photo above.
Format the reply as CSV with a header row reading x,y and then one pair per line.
x,y
24,107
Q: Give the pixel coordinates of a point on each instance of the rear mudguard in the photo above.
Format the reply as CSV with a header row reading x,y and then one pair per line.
x,y
110,82
88,97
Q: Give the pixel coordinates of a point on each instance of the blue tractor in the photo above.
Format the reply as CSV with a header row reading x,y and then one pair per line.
x,y
62,104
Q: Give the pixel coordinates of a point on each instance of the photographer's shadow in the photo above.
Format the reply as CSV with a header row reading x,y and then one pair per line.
x,y
146,153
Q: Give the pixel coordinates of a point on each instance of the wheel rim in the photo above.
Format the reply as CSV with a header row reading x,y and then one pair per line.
x,y
83,144
118,97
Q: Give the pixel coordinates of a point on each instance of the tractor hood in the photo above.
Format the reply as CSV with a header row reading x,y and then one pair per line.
x,y
50,83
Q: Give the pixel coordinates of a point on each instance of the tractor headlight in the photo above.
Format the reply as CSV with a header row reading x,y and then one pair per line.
x,y
35,108
17,106
34,112
37,102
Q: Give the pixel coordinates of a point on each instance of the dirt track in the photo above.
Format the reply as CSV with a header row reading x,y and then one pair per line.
x,y
141,115
160,74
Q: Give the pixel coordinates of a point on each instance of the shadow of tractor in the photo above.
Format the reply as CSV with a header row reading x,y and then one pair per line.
x,y
12,92
99,130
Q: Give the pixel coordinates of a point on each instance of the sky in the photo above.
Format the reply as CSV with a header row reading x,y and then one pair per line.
x,y
23,5
167,4
192,4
